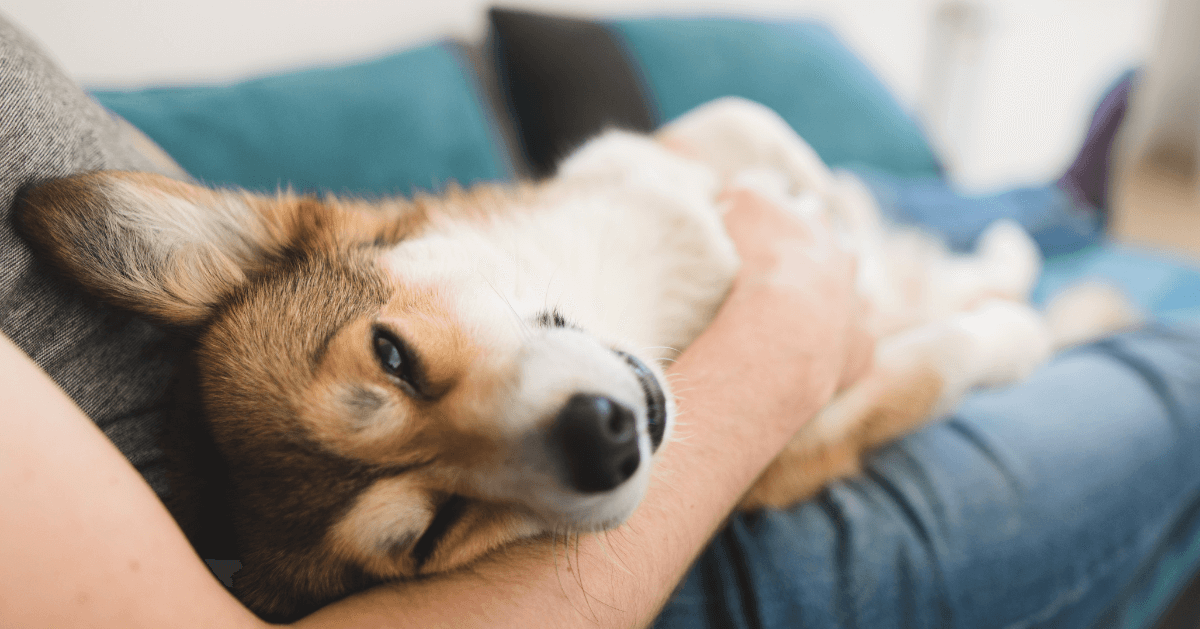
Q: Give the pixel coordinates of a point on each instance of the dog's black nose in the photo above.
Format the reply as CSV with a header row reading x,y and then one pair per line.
x,y
598,439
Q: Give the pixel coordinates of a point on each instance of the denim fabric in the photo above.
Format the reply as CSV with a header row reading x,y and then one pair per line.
x,y
1045,504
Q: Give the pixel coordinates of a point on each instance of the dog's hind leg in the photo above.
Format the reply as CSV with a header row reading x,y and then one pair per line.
x,y
918,376
831,445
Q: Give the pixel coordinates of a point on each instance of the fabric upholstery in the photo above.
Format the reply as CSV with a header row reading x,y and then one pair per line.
x,y
412,120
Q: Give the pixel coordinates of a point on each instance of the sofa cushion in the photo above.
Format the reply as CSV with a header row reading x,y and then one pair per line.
x,y
410,120
653,70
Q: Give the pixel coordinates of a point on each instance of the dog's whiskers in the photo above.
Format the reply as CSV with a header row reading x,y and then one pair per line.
x,y
546,292
579,579
567,532
554,552
611,556
522,327
681,438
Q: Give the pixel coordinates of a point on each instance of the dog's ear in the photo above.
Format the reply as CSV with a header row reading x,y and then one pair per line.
x,y
153,244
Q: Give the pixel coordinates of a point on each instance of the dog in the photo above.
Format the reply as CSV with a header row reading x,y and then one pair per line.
x,y
399,387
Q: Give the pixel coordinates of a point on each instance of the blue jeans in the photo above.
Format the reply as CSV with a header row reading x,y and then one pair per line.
x,y
1042,505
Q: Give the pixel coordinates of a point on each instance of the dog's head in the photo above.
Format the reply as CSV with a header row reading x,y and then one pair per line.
x,y
389,399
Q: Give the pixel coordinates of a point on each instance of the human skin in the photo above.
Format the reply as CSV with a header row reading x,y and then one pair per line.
x,y
87,543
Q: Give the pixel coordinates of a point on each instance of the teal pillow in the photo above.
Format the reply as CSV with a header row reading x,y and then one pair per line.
x,y
801,70
412,120
567,79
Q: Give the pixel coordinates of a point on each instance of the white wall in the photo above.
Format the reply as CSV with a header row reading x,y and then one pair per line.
x,y
1041,65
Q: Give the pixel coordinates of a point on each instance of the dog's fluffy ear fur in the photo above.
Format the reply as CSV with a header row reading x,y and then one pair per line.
x,y
153,244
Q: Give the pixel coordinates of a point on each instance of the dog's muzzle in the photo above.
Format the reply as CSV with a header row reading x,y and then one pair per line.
x,y
598,436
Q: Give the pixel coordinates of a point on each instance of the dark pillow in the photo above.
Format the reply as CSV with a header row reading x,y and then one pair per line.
x,y
411,120
570,78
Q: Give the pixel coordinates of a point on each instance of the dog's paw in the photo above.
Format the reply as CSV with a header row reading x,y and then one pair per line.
x,y
1088,311
1011,260
1001,342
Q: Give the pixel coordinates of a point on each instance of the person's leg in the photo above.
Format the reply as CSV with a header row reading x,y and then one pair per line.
x,y
1040,505
1032,506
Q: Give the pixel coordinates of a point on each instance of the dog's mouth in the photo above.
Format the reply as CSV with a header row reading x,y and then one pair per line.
x,y
656,400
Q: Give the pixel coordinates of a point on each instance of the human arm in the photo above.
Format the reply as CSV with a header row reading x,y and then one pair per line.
x,y
93,547
85,541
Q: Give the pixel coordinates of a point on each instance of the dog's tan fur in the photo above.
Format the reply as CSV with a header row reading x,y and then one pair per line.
x,y
885,405
339,471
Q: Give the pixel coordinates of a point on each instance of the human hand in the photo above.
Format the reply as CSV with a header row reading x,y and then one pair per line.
x,y
795,292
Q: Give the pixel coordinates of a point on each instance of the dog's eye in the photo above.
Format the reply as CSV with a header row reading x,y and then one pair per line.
x,y
395,358
389,354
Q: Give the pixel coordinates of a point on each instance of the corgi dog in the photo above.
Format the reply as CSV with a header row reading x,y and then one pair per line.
x,y
398,387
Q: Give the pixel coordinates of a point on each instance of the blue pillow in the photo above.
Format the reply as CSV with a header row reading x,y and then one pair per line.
x,y
411,120
801,70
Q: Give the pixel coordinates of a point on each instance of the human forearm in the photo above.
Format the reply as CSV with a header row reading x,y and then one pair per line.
x,y
86,542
